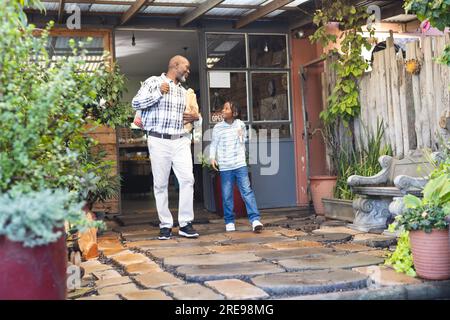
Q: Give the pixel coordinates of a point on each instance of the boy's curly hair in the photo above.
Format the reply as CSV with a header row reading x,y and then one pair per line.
x,y
235,108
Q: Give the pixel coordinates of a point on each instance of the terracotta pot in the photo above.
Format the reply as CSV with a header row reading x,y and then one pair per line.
x,y
37,273
321,187
239,206
431,254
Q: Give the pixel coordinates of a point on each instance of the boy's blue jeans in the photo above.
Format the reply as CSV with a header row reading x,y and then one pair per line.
x,y
228,178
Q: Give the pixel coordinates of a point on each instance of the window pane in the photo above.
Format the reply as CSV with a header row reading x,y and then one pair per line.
x,y
284,129
227,86
270,96
225,51
268,51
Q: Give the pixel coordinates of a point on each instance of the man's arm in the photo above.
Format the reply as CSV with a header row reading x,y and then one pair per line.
x,y
148,95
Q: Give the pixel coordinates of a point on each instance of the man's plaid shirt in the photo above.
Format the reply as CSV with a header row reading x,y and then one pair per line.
x,y
162,113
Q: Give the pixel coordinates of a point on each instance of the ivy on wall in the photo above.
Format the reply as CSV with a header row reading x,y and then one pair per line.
x,y
343,102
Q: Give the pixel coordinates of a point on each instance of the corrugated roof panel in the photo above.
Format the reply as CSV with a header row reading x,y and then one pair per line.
x,y
108,8
180,1
228,12
244,2
296,3
274,13
49,6
167,10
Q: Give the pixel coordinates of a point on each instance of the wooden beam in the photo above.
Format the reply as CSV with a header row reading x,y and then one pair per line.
x,y
62,4
263,11
133,10
201,10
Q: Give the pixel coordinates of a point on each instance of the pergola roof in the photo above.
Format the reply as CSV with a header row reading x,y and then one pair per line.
x,y
244,12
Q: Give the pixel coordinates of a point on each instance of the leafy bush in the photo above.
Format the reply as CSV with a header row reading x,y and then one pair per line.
x,y
401,259
429,212
363,162
43,142
37,217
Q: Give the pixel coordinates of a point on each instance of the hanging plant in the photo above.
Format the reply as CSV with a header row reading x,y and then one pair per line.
x,y
343,102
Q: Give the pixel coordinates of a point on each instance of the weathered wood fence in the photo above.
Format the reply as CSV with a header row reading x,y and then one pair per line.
x,y
413,107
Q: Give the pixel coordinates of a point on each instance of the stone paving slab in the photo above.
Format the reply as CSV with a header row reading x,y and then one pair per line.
x,y
143,267
193,291
152,244
108,282
211,259
148,294
293,244
290,233
110,252
310,282
173,252
385,276
119,289
241,247
238,235
102,297
292,253
377,253
106,274
218,272
352,247
130,258
328,237
326,261
261,240
374,240
91,266
235,289
157,279
339,229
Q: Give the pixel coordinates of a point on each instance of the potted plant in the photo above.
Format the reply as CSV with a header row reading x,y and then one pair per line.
x,y
42,178
239,206
426,220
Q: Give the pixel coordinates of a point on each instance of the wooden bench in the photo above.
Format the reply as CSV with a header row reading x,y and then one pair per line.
x,y
380,197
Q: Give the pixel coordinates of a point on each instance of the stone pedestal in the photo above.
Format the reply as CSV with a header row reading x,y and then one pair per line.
x,y
371,214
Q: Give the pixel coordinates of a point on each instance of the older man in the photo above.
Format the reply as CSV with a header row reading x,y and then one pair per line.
x,y
161,101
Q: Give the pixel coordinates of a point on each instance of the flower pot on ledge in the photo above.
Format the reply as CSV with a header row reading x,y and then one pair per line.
x,y
321,187
339,209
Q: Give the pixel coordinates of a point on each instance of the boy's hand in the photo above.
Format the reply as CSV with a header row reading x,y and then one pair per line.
x,y
190,117
214,164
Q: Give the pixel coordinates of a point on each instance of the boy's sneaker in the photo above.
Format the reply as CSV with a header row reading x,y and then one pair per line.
x,y
188,231
165,234
257,226
230,227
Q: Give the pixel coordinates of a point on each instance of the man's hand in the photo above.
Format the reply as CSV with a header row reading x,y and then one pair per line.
x,y
190,117
138,121
214,164
164,88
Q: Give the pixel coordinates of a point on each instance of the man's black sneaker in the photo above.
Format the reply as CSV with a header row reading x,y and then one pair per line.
x,y
188,231
165,234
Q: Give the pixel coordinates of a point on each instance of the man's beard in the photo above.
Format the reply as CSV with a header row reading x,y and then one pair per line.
x,y
182,79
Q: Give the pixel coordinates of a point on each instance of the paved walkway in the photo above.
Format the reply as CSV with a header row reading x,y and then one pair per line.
x,y
297,256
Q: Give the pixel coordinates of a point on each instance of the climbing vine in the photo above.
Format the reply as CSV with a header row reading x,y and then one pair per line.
x,y
343,102
437,13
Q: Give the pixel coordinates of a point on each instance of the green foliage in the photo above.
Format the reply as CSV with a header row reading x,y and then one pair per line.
x,y
37,218
108,109
363,161
350,66
401,259
437,12
429,212
43,106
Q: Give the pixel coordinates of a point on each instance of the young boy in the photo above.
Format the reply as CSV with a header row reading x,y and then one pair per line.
x,y
228,143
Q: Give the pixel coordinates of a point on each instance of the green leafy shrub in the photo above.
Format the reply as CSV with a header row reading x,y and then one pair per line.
x,y
401,259
37,217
